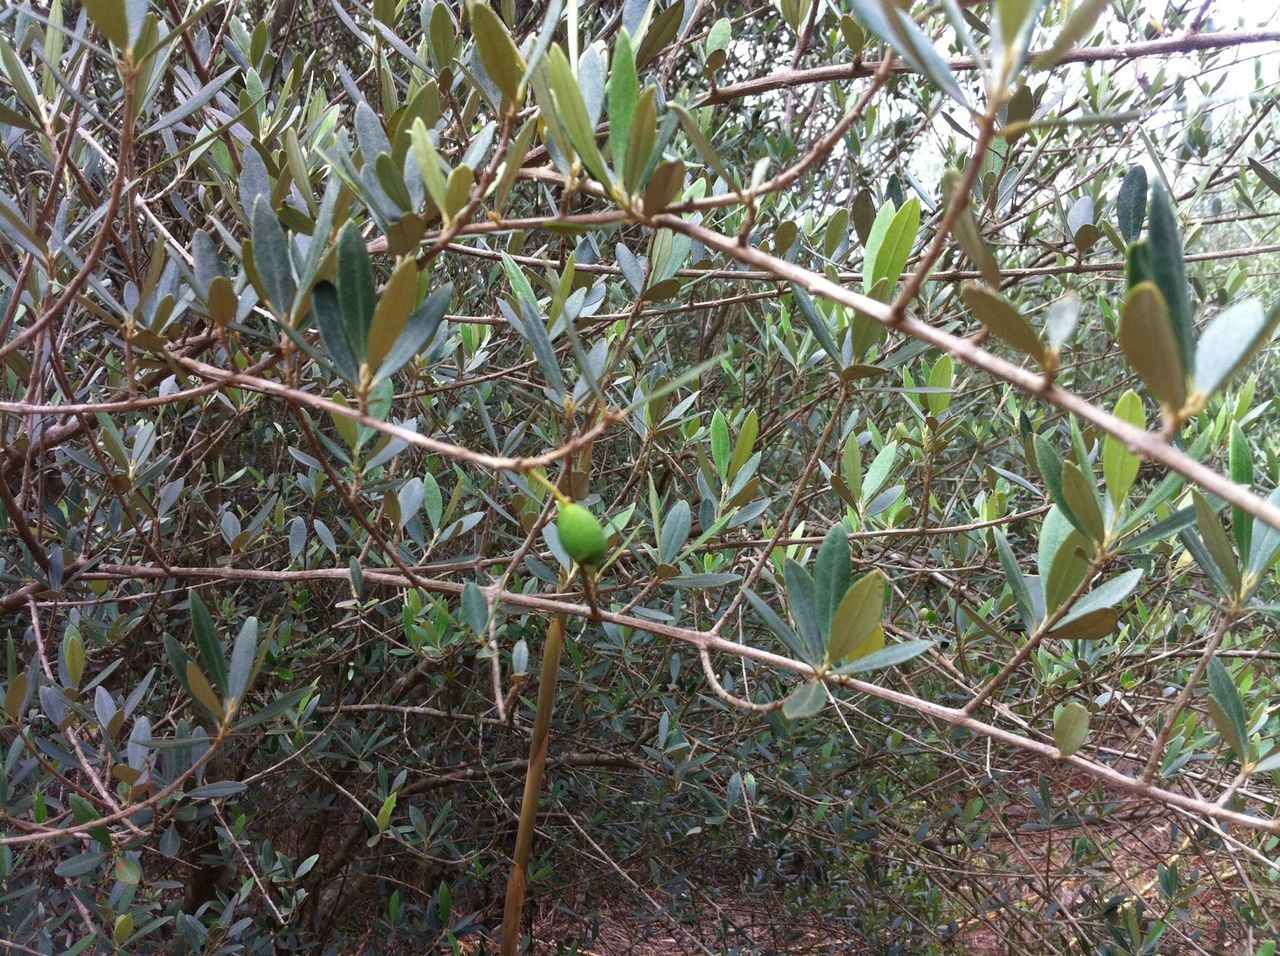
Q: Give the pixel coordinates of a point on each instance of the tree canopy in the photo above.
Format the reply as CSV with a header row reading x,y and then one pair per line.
x,y
796,476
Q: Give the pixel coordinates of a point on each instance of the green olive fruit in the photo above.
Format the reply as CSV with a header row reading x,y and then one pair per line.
x,y
581,534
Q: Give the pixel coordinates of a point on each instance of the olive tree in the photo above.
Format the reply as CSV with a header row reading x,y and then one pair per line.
x,y
513,476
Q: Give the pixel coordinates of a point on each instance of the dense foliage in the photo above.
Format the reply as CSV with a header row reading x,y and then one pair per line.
x,y
662,475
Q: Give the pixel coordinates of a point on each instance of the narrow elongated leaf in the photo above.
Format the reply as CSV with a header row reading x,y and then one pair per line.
x,y
418,330
1234,727
998,316
896,28
271,257
1229,341
207,642
1017,583
1131,203
1150,344
1169,271
965,230
892,256
356,297
202,691
1120,465
803,603
243,655
498,53
778,626
1215,540
643,135
392,310
1266,175
623,90
1105,597
1078,26
890,656
675,531
874,243
572,112
1240,463
855,626
334,331
817,324
1264,542
831,571
1081,499
428,160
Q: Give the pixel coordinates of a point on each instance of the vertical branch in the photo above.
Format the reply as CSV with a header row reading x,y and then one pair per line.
x,y
532,786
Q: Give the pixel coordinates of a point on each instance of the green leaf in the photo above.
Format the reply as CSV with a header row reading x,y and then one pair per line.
x,y
418,330
891,257
572,112
84,863
779,626
745,443
1091,626
428,160
856,629
623,89
1081,498
709,154
831,571
805,701
1265,541
644,133
356,297
896,28
1062,558
1094,615
1240,461
73,654
498,53
675,531
111,17
202,691
1169,271
334,332
999,317
1131,203
1230,719
659,33
475,609
1070,728
965,230
1150,344
243,656
803,603
1267,176
874,243
1077,27
1215,540
207,642
890,656
271,257
392,310
1229,341
720,443
1120,465
16,695
457,191
817,323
